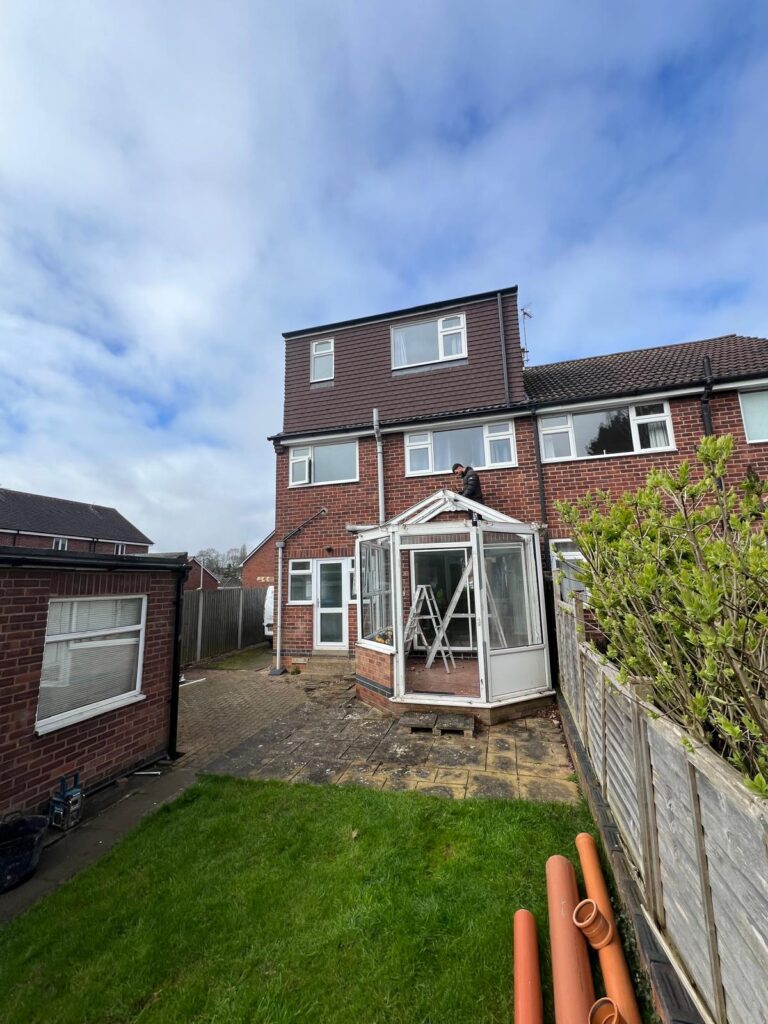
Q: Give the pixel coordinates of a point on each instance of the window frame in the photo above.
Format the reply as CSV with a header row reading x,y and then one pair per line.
x,y
634,421
557,559
60,543
352,580
309,459
313,379
751,391
86,711
301,572
441,333
410,445
120,547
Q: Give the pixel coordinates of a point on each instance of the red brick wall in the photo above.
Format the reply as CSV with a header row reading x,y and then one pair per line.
x,y
376,666
259,569
514,491
101,747
34,540
200,579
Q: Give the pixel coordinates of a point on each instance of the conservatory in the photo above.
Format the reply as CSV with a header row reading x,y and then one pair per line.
x,y
450,608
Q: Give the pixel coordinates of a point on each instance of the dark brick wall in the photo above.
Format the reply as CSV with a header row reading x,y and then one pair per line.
x,y
101,747
199,579
35,540
363,375
259,569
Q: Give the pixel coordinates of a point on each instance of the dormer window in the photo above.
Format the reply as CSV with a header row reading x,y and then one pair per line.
x,y
431,341
322,361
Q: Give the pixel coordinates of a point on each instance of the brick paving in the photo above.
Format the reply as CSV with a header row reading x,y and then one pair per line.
x,y
250,725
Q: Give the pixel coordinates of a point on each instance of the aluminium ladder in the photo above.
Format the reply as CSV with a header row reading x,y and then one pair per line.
x,y
425,596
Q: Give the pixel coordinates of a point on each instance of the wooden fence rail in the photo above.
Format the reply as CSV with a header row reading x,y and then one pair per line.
x,y
696,836
216,621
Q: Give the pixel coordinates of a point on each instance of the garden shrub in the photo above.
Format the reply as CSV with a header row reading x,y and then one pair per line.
x,y
677,575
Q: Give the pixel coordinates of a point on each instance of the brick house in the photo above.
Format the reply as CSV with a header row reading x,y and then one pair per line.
x,y
39,521
376,412
88,666
199,577
258,566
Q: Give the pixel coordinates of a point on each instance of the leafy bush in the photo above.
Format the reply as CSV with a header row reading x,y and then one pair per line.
x,y
678,580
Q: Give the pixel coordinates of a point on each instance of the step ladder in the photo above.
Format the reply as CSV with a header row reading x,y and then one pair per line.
x,y
425,598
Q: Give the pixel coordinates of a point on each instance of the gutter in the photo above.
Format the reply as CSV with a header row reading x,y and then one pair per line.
x,y
173,725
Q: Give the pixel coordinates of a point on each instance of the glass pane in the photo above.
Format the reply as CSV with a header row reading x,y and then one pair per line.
x,y
418,460
300,588
418,438
554,421
331,574
499,428
556,446
331,628
299,472
605,432
442,571
464,445
323,346
452,345
78,673
501,450
656,409
299,453
91,615
653,435
506,595
322,367
376,590
301,565
755,406
416,343
335,462
450,321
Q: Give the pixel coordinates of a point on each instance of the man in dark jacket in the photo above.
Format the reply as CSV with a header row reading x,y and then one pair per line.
x,y
470,482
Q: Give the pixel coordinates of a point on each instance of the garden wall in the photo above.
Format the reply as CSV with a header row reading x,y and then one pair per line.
x,y
696,837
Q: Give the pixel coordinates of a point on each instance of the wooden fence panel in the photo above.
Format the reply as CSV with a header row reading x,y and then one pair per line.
x,y
253,615
620,770
189,615
568,656
593,695
214,622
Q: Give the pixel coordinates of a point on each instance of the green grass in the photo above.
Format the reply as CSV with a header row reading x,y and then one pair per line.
x,y
252,658
265,902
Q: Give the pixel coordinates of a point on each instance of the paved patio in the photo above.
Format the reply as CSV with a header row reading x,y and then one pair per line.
x,y
327,736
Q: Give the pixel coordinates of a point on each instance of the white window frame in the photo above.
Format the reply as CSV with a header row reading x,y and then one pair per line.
x,y
557,559
751,440
410,444
308,460
81,714
292,571
313,378
352,581
634,420
119,548
60,543
441,332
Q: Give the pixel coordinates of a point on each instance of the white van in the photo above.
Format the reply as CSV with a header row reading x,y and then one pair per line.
x,y
269,613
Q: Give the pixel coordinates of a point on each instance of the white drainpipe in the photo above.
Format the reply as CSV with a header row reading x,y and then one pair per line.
x,y
278,611
379,464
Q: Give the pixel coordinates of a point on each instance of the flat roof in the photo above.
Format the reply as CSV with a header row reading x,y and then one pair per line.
x,y
47,558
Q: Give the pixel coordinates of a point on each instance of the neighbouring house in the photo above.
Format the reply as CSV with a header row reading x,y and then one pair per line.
x,y
89,666
258,566
378,409
199,577
39,521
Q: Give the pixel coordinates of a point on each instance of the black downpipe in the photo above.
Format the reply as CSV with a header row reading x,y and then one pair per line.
x,y
173,729
546,561
706,411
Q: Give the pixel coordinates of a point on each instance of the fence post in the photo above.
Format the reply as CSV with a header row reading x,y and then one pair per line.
x,y
706,899
603,734
200,626
649,836
240,622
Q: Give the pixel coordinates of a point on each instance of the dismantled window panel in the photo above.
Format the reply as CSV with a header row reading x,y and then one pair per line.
x,y
376,590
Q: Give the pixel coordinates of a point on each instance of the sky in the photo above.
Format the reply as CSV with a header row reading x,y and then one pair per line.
x,y
181,182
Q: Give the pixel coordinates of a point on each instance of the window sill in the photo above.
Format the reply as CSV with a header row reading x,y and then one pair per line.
x,y
477,469
324,483
371,645
321,385
91,711
616,455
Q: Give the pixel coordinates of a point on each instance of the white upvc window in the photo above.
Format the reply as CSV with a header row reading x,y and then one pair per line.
x,y
613,430
300,581
331,463
482,446
754,412
352,581
120,549
429,341
93,657
321,360
60,543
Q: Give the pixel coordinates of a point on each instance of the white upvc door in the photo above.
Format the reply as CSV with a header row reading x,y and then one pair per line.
x,y
331,590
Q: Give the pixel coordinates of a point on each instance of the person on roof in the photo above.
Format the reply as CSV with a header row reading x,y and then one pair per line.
x,y
470,482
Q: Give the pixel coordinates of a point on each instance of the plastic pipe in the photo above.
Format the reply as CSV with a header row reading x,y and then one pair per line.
x,y
594,916
605,1011
528,1003
571,975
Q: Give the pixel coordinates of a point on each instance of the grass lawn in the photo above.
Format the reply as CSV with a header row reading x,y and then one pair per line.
x,y
251,658
254,902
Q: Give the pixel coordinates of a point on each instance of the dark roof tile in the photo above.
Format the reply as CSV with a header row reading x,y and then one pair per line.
x,y
38,513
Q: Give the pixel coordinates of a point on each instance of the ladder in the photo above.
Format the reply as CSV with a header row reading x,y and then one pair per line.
x,y
425,596
440,635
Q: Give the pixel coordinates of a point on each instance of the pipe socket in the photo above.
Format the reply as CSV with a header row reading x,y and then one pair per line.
x,y
597,929
605,1011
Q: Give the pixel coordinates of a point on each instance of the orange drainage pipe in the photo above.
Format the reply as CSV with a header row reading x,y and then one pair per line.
x,y
571,974
528,1003
594,916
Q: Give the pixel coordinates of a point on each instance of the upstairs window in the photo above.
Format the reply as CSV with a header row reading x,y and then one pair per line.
x,y
754,410
323,464
431,341
119,549
621,430
322,361
483,447
60,543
